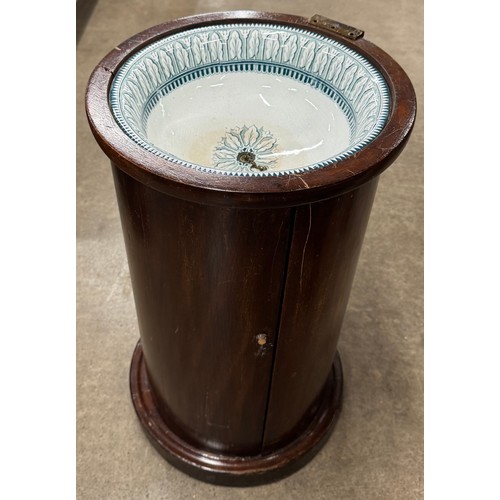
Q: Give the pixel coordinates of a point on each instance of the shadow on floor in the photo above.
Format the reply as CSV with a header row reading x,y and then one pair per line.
x,y
84,9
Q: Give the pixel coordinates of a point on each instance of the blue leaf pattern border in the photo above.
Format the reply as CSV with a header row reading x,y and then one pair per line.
x,y
339,72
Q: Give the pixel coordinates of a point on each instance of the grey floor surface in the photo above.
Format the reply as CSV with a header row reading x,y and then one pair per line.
x,y
376,451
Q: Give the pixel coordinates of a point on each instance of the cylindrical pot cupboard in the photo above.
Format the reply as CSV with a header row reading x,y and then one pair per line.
x,y
246,149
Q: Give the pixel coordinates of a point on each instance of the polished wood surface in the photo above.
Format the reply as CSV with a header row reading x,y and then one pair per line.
x,y
235,470
324,251
207,285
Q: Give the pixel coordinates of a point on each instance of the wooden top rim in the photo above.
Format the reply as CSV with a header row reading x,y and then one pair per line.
x,y
287,190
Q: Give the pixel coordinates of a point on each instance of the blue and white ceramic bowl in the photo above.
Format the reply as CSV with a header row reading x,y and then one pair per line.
x,y
250,99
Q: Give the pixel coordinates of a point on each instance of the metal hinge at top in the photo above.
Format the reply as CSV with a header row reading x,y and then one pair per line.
x,y
336,27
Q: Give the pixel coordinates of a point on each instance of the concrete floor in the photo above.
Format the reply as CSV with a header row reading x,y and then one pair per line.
x,y
376,451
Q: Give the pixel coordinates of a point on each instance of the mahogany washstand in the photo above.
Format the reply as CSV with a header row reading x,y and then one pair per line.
x,y
241,281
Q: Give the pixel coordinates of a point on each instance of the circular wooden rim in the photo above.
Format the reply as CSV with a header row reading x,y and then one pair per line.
x,y
286,190
234,470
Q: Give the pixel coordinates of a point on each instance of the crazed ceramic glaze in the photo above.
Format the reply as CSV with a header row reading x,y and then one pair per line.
x,y
250,99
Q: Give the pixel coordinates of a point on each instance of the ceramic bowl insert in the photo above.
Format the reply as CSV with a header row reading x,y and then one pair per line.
x,y
250,99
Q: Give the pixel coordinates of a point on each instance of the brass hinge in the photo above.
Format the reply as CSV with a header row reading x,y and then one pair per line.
x,y
336,27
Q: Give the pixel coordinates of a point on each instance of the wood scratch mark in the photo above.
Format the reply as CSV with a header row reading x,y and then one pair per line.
x,y
302,180
276,247
291,176
206,415
304,250
225,282
205,409
221,426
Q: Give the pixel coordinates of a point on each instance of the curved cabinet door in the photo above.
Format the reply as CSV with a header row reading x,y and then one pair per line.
x,y
207,285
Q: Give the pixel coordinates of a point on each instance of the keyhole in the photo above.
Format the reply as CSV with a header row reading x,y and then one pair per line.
x,y
262,339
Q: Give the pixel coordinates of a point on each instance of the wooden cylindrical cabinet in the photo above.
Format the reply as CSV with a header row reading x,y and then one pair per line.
x,y
242,245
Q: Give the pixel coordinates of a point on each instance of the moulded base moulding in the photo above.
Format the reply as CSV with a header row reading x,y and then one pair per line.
x,y
231,470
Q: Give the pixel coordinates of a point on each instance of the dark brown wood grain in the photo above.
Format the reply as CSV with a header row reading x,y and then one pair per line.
x,y
241,283
326,242
234,470
207,281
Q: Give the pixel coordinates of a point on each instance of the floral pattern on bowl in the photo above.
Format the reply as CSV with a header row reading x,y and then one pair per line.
x,y
339,104
245,148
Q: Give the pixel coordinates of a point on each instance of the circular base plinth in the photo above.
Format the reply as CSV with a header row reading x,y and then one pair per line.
x,y
231,470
